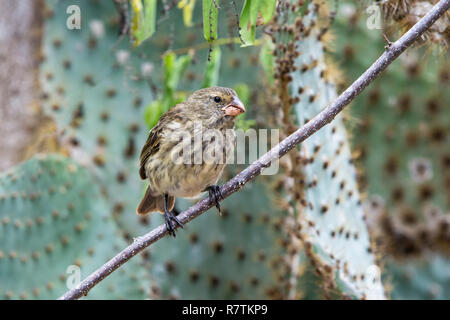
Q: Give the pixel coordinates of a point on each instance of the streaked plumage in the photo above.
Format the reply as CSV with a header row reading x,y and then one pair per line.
x,y
180,179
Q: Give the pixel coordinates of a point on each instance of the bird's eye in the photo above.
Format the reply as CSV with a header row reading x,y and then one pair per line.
x,y
217,99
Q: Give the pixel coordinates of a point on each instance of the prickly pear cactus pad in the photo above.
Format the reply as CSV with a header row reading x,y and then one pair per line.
x,y
358,210
54,223
420,278
238,255
400,132
330,213
88,88
97,87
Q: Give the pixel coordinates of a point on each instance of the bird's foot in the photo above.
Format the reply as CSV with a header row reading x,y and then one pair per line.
x,y
170,218
215,195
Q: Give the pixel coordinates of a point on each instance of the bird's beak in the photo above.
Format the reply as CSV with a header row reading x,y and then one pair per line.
x,y
235,108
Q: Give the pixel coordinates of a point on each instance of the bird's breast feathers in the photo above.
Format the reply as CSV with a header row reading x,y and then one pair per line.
x,y
190,158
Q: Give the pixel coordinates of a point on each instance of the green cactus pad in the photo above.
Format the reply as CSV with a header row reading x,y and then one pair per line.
x,y
238,255
400,131
54,221
96,86
331,216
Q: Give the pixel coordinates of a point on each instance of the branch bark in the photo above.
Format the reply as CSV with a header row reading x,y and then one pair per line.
x,y
236,183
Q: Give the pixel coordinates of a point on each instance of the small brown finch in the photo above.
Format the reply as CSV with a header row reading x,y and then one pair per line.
x,y
187,150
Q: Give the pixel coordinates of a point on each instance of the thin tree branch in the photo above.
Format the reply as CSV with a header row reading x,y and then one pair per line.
x,y
236,183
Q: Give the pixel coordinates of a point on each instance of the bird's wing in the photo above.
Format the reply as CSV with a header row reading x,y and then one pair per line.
x,y
154,138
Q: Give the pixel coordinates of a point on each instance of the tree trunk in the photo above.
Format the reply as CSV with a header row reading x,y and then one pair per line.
x,y
20,40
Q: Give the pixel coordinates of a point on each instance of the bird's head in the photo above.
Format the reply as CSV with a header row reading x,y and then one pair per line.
x,y
216,103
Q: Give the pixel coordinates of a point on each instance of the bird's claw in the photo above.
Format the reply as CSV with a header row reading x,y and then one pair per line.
x,y
169,219
215,196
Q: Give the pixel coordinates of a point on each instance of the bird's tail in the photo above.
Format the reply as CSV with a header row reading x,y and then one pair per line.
x,y
153,203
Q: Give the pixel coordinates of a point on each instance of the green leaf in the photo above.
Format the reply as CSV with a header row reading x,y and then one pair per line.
x,y
136,21
244,124
143,23
188,9
245,22
182,64
174,69
169,71
243,92
267,9
152,113
180,96
254,9
210,15
170,77
149,18
212,69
